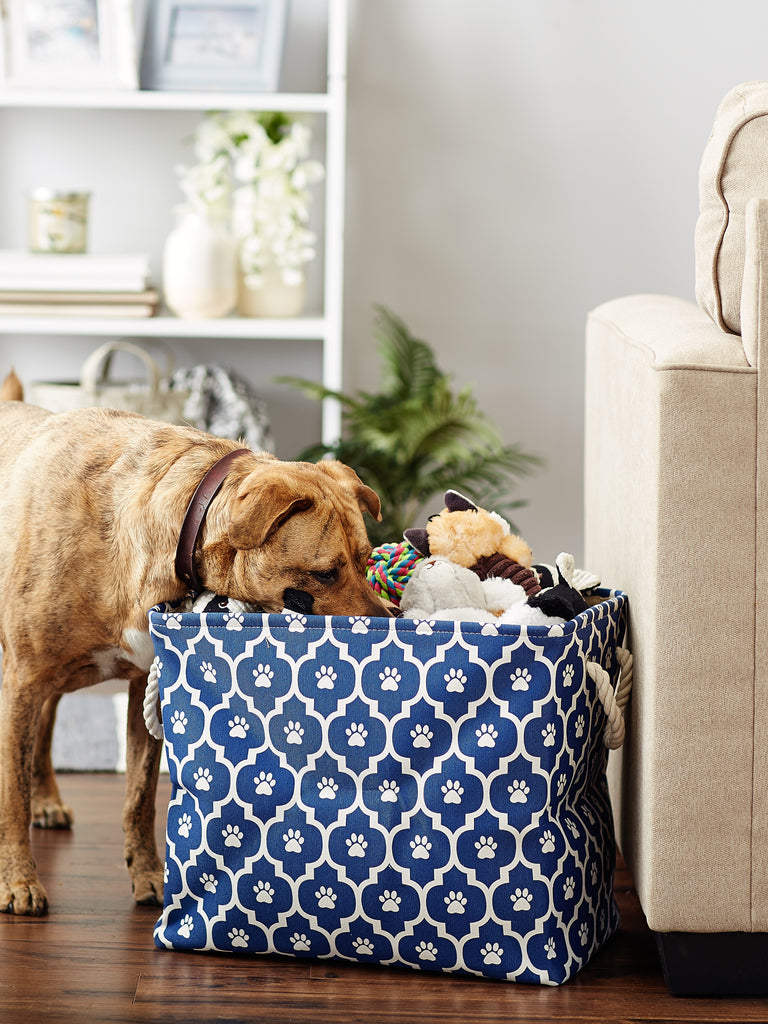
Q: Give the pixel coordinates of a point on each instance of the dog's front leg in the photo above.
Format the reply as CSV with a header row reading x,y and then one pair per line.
x,y
142,766
21,700
48,809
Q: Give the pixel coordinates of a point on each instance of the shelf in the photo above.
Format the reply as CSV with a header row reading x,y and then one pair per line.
x,y
231,327
116,99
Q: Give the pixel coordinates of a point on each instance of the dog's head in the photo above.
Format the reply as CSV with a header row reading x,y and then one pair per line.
x,y
291,535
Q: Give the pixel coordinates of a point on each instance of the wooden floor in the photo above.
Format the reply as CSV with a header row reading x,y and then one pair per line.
x,y
93,959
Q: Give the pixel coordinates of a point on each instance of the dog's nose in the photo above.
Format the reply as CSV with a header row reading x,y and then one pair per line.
x,y
298,601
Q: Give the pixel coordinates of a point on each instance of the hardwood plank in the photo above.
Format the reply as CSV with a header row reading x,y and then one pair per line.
x,y
93,959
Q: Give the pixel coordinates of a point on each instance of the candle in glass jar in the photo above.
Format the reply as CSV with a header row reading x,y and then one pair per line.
x,y
58,221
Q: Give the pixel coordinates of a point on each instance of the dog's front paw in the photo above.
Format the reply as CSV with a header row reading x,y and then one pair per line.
x,y
148,885
48,812
25,897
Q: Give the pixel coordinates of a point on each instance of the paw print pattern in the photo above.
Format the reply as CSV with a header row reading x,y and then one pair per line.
x,y
185,928
208,882
521,679
569,887
263,676
203,779
455,902
487,735
179,723
234,621
584,934
491,953
550,948
360,624
593,874
547,842
580,725
364,947
294,732
486,847
420,847
572,828
265,783
185,826
422,736
209,672
173,621
455,681
325,677
568,675
264,892
452,791
328,788
390,678
390,900
300,942
293,840
521,899
239,938
357,844
326,897
238,727
518,791
426,951
356,734
389,790
549,735
233,836
562,782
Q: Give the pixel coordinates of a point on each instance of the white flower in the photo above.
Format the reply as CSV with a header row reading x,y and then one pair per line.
x,y
263,185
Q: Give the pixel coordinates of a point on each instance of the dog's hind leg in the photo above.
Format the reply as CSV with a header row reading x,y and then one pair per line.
x,y
48,810
21,701
142,766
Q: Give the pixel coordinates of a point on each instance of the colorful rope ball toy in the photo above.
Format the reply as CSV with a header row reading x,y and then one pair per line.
x,y
390,567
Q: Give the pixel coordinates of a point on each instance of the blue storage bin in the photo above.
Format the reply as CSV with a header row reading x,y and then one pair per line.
x,y
427,794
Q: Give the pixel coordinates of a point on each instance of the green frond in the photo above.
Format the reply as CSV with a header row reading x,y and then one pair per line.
x,y
417,437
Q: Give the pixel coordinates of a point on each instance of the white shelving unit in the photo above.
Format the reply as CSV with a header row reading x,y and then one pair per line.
x,y
325,328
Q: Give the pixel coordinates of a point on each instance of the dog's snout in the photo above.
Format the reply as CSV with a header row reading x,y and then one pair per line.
x,y
298,601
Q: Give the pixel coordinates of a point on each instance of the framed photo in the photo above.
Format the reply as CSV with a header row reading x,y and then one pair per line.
x,y
234,45
68,44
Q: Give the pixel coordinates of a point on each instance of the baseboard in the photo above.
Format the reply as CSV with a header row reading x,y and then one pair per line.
x,y
714,964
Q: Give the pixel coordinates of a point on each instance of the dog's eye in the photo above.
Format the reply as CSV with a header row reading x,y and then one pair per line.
x,y
325,575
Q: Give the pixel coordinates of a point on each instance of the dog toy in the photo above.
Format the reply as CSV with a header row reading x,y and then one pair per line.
x,y
464,533
390,567
441,589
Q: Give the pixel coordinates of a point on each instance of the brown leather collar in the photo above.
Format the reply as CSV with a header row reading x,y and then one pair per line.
x,y
204,494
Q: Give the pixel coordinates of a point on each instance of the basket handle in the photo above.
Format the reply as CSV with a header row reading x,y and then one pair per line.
x,y
96,367
151,698
613,700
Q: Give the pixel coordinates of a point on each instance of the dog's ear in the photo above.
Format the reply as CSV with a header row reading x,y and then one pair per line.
x,y
261,507
367,498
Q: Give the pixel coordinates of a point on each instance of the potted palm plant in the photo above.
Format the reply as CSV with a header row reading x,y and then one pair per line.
x,y
416,437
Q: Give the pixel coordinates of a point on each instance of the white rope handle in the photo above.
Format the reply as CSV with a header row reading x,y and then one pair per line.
x,y
151,697
613,700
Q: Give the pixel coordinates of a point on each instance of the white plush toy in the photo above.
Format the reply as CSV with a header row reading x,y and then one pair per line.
x,y
441,589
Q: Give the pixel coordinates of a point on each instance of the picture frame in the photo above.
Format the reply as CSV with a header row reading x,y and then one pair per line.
x,y
68,44
235,45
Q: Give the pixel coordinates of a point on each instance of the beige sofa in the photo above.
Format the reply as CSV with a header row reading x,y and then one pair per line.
x,y
676,492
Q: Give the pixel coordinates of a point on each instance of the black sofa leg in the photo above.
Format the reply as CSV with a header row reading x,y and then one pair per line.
x,y
714,964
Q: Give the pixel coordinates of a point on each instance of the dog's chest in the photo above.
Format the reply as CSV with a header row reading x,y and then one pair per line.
x,y
136,648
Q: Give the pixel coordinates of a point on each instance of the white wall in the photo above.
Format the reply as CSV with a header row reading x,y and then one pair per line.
x,y
511,164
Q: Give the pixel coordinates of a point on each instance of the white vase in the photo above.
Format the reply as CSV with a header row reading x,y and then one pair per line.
x,y
273,297
199,267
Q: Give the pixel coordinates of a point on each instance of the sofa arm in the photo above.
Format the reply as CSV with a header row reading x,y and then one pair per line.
x,y
670,518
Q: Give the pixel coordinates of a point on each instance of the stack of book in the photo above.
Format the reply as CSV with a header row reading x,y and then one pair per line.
x,y
48,284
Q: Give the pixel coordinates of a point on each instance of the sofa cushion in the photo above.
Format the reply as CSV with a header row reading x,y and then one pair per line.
x,y
733,171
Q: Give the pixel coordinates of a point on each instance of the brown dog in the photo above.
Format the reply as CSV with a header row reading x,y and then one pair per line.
x,y
93,502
